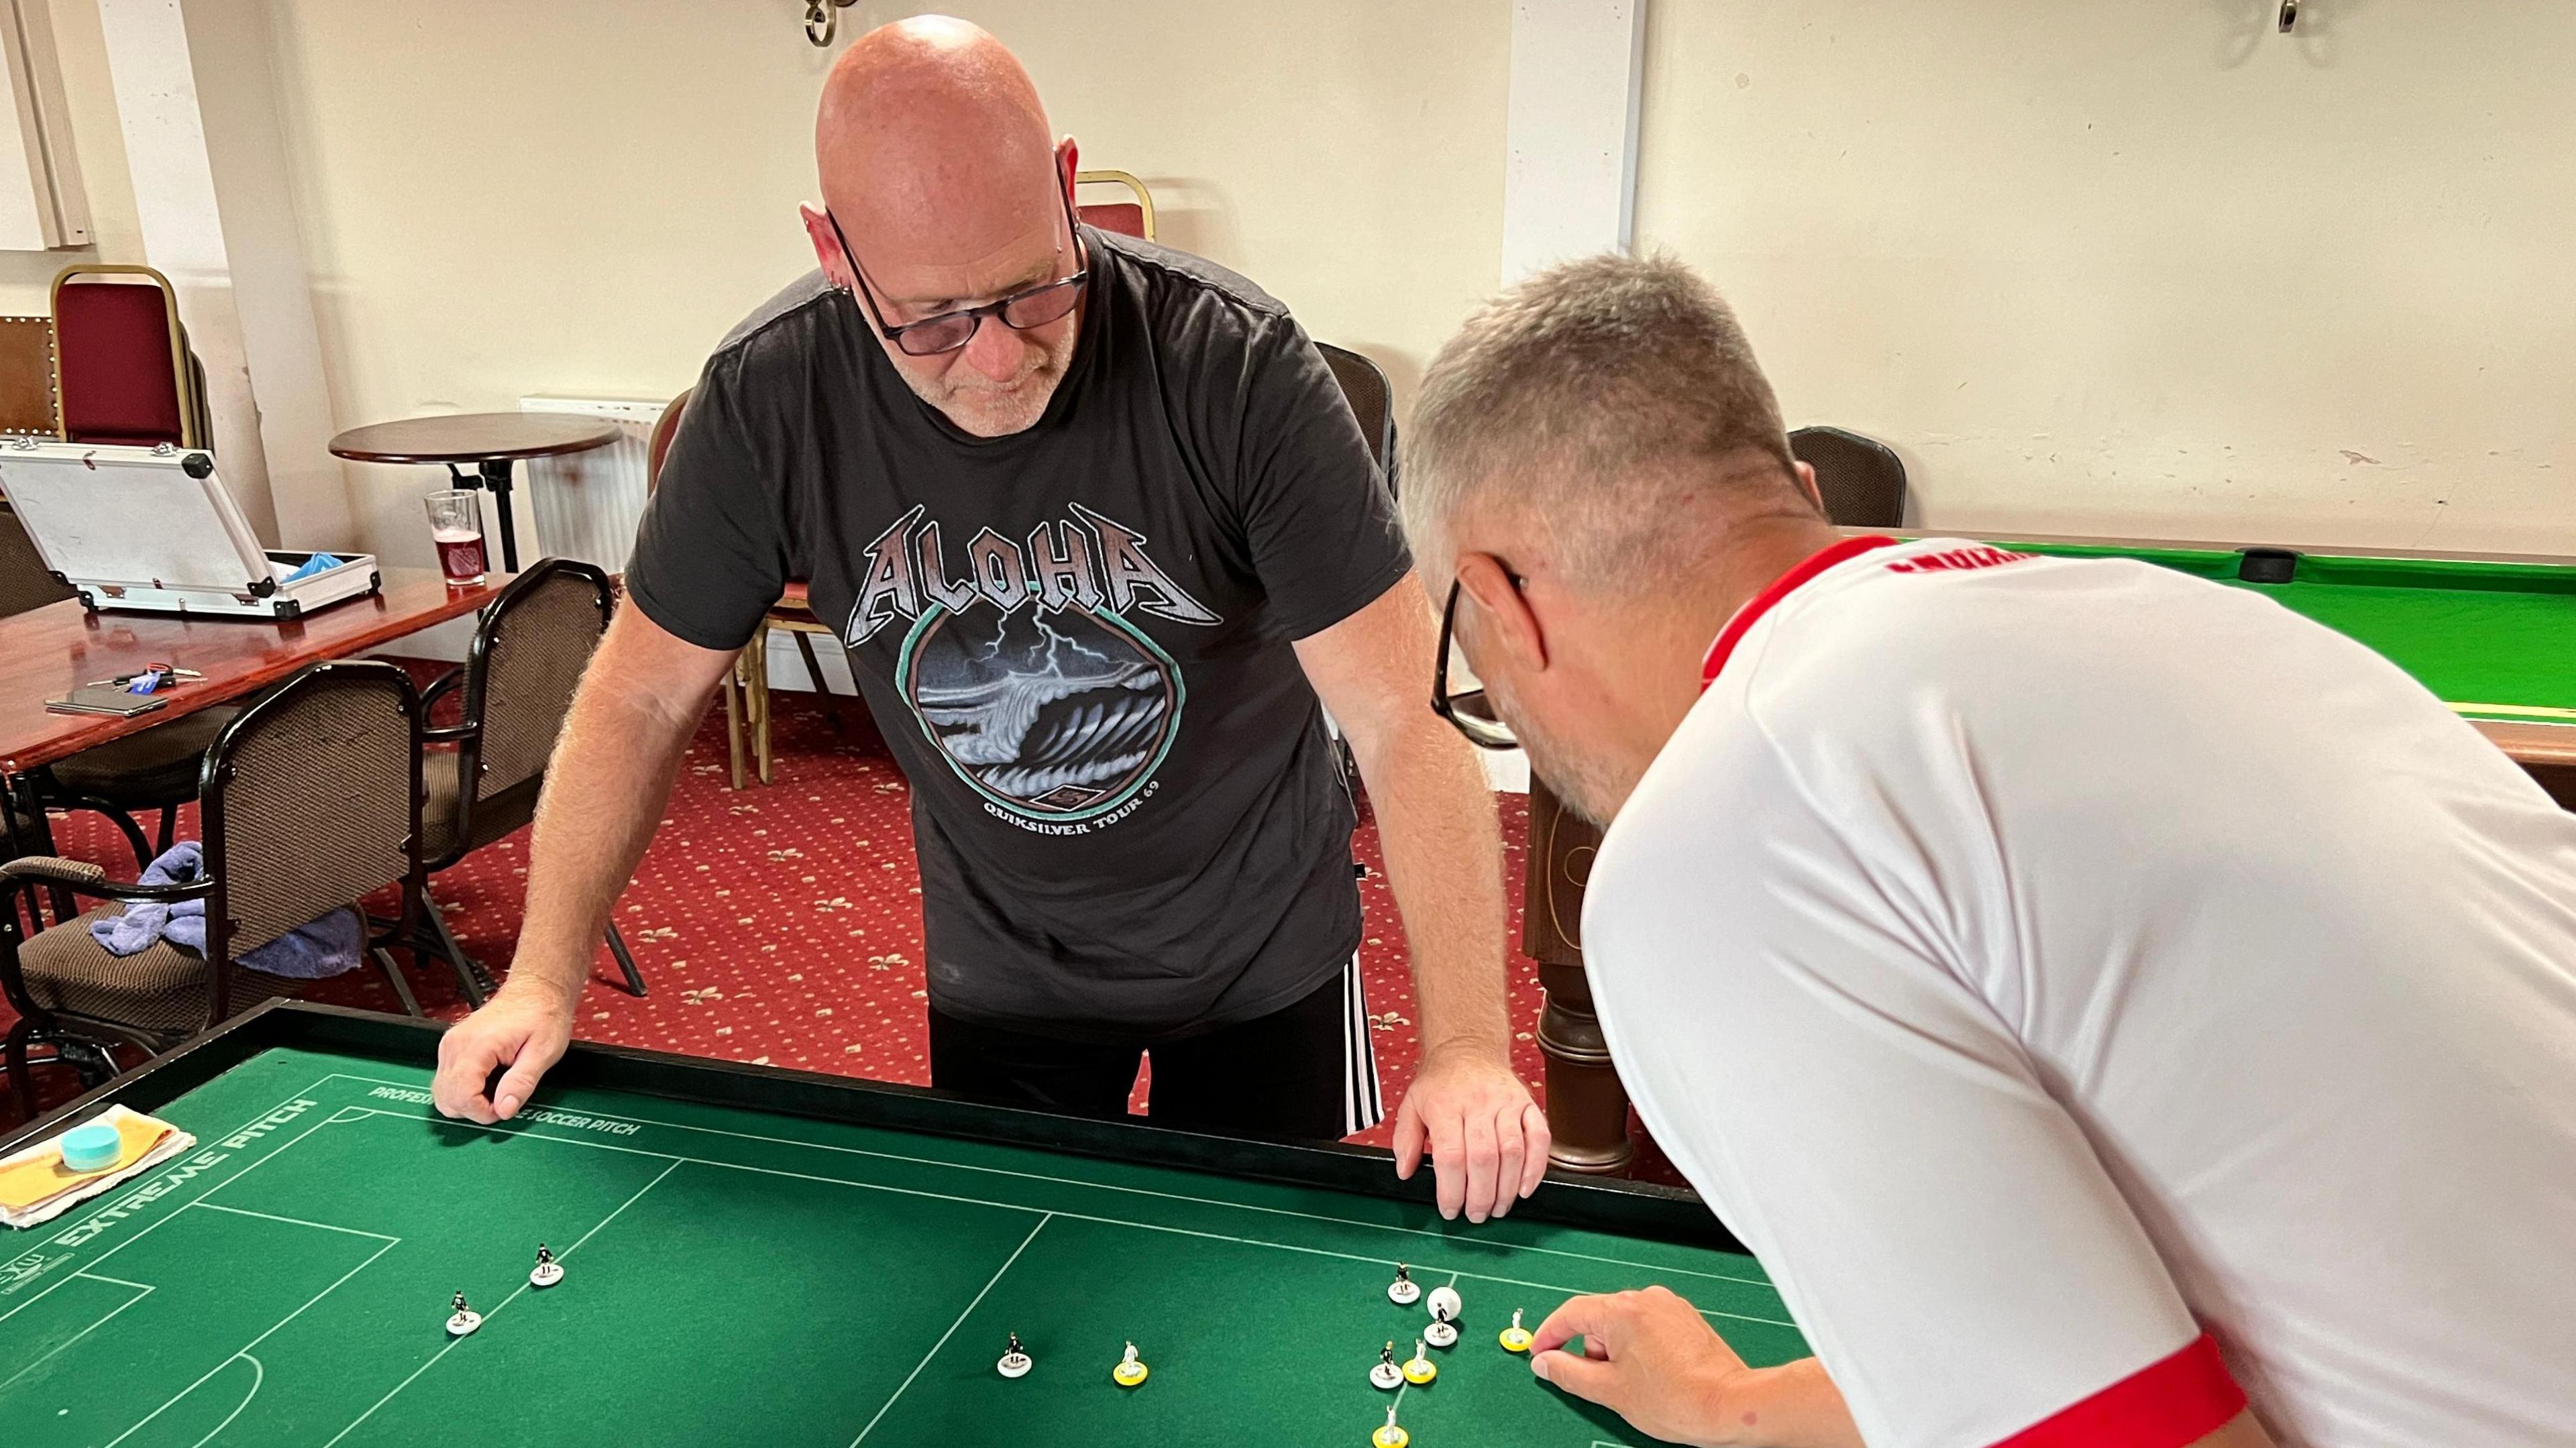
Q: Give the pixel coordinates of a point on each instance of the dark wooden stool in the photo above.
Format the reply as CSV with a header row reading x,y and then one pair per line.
x,y
1587,1107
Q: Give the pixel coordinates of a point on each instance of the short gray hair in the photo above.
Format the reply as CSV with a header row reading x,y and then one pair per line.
x,y
1604,395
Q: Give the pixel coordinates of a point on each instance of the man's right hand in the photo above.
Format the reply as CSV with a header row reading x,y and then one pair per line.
x,y
610,776
525,1030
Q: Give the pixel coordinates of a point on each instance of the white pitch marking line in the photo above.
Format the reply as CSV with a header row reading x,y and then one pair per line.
x,y
621,1207
142,1293
254,1342
1068,1216
128,1199
952,1328
258,1375
203,1205
1132,1191
139,1185
200,1199
523,1289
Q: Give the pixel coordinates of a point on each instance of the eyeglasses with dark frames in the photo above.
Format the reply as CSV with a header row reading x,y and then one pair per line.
x,y
1033,307
1469,712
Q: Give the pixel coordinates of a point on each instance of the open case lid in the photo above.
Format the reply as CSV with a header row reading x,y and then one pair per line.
x,y
133,517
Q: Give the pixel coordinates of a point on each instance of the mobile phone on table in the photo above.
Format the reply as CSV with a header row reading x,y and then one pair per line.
x,y
105,699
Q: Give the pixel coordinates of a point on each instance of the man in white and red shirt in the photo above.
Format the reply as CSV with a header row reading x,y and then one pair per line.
x,y
2115,1009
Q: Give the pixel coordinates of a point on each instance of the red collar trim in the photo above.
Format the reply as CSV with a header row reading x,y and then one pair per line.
x,y
1781,587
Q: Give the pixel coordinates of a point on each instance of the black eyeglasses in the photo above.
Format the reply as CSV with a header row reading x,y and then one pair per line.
x,y
1021,310
1470,713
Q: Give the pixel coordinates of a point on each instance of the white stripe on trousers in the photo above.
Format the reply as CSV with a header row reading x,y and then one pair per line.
x,y
1361,1108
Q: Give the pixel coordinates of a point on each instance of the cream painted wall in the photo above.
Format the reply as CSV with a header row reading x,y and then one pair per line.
x,y
27,277
580,197
2150,268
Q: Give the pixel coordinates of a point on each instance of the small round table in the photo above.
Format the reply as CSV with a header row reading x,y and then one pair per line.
x,y
490,441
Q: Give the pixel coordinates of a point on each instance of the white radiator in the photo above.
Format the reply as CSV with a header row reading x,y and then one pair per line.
x,y
586,505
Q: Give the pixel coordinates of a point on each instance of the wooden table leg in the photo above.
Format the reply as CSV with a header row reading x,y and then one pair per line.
x,y
1587,1107
733,703
755,660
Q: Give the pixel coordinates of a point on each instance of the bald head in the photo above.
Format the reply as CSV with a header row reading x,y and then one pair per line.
x,y
943,190
931,136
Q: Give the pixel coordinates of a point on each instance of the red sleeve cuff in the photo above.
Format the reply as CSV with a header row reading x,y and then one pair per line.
x,y
2167,1404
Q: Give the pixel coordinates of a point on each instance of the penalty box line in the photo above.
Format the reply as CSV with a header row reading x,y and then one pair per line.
x,y
127,1202
142,1290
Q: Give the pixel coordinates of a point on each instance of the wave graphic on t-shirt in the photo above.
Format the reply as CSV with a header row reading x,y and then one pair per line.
x,y
1050,715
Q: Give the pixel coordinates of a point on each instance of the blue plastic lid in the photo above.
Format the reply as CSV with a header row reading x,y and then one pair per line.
x,y
94,1147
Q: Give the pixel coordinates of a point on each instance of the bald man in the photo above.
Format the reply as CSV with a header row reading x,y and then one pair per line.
x,y
1103,540
2115,1009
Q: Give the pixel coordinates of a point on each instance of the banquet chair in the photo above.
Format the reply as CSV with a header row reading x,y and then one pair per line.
x,y
1372,402
481,776
1861,479
1127,218
1364,387
27,405
311,802
746,687
123,370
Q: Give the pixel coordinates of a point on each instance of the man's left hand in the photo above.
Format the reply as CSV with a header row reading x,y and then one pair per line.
x,y
1488,1139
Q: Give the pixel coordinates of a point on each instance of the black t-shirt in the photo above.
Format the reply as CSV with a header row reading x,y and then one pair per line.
x,y
1075,638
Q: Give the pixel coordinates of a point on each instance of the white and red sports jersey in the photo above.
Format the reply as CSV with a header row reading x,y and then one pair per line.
x,y
2093,991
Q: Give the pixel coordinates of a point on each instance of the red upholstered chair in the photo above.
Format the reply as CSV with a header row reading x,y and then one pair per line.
x,y
122,367
1126,217
746,689
123,374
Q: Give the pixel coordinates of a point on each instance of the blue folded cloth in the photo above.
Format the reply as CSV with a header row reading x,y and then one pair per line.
x,y
146,921
318,948
311,951
311,566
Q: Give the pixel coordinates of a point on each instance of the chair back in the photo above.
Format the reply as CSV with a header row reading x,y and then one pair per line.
x,y
24,581
311,800
528,654
1861,479
1126,217
658,446
1372,402
122,369
27,407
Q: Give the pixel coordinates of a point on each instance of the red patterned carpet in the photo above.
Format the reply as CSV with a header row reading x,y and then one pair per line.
x,y
782,924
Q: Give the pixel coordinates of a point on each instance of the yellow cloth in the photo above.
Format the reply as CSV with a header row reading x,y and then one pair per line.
x,y
43,1176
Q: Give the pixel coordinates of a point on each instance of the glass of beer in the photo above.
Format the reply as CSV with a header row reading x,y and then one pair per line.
x,y
456,526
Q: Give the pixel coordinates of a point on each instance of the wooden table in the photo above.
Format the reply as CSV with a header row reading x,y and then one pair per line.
x,y
492,441
45,651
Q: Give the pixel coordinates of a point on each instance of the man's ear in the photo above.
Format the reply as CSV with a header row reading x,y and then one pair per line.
x,y
1807,485
827,247
1068,164
1509,625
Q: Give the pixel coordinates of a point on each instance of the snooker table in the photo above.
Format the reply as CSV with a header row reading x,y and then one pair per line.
x,y
760,1255
2494,636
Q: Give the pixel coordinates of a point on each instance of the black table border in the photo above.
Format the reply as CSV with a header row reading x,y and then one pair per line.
x,y
1624,1208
